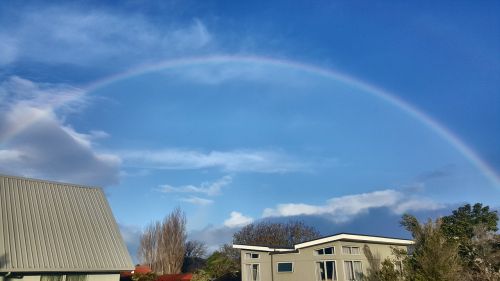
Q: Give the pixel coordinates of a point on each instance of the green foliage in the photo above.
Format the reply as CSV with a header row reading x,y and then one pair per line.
x,y
463,225
434,256
151,276
385,271
221,265
201,275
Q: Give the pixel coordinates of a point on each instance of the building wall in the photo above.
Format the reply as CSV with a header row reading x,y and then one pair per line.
x,y
304,261
90,277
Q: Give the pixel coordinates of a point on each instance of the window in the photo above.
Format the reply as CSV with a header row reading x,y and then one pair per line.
x,y
325,251
51,277
326,271
252,256
285,267
253,272
350,250
76,277
353,270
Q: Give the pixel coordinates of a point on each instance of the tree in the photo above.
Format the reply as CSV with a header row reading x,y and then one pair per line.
x,y
434,256
222,267
464,225
162,245
194,256
385,270
275,234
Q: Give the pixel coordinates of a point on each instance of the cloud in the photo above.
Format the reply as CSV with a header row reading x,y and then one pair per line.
x,y
207,188
197,201
36,142
213,236
83,36
344,208
132,236
237,220
262,161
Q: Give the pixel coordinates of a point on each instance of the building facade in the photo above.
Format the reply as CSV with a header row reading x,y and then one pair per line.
x,y
339,257
51,231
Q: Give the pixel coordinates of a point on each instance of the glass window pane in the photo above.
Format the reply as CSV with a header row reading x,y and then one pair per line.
x,y
76,277
346,250
329,251
358,270
321,270
355,250
51,277
320,251
285,267
329,270
349,274
255,256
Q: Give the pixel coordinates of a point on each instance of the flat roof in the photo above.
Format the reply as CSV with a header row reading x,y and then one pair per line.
x,y
330,238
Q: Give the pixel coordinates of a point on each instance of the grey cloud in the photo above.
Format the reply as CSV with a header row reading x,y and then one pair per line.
x,y
36,143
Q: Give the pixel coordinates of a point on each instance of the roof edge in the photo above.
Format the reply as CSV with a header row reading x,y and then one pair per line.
x,y
261,248
50,181
355,237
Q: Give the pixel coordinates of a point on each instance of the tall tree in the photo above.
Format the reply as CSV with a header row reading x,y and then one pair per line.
x,y
162,245
275,234
473,228
434,256
194,257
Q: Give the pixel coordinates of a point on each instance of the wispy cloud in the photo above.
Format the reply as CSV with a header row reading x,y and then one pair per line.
x,y
207,188
344,208
197,201
262,161
80,35
37,142
237,219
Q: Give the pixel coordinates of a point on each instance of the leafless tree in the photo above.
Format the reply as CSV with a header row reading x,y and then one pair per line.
x,y
162,244
195,249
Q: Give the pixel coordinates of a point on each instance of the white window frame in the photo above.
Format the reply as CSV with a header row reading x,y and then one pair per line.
x,y
317,249
247,257
249,274
345,273
293,267
350,250
317,278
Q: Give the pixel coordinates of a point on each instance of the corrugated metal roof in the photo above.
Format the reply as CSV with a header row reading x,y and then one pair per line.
x,y
50,226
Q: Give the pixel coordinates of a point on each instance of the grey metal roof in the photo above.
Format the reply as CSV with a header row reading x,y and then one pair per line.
x,y
50,226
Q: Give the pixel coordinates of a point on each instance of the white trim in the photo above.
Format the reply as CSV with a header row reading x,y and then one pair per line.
x,y
260,248
351,260
249,274
293,267
355,237
327,255
317,278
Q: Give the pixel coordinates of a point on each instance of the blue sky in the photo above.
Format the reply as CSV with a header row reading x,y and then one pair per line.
x,y
335,112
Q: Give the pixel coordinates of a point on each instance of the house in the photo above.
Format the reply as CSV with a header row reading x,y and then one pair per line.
x,y
338,257
51,231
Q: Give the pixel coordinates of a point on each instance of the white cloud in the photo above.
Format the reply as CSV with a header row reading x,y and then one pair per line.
x,y
344,208
76,35
36,142
263,161
197,201
237,219
208,188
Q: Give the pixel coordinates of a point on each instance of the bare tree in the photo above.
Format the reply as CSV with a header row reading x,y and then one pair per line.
x,y
148,248
163,244
275,234
195,249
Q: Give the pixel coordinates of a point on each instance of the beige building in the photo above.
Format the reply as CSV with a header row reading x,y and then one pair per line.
x,y
338,257
51,231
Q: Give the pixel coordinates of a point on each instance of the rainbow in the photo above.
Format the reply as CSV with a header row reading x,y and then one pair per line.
x,y
377,92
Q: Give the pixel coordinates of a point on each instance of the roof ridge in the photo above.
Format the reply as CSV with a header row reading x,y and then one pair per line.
x,y
50,181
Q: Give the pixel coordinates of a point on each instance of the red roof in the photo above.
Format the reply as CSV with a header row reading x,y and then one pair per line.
x,y
141,269
175,277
